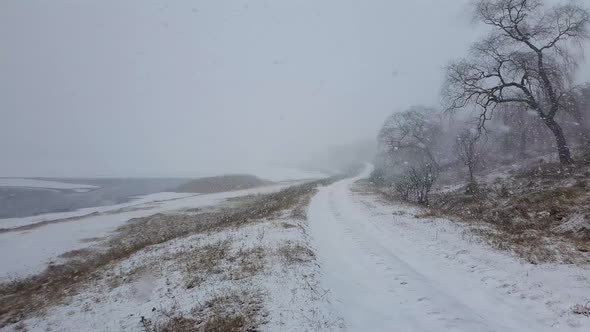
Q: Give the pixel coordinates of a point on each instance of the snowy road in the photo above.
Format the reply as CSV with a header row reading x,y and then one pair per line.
x,y
388,271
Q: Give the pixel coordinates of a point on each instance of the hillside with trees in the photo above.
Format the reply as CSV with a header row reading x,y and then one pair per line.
x,y
509,145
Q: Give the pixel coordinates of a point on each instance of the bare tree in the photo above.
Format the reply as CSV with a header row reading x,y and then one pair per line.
x,y
411,141
417,130
416,182
421,178
469,150
527,59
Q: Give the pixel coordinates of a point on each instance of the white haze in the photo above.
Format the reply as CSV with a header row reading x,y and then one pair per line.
x,y
188,88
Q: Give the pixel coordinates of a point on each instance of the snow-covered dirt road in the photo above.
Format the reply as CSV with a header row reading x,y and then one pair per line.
x,y
386,270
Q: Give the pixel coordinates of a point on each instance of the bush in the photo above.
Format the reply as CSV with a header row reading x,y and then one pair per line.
x,y
422,178
377,177
416,183
404,187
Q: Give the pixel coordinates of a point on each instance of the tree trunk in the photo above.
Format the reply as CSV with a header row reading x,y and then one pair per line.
x,y
471,171
472,187
563,150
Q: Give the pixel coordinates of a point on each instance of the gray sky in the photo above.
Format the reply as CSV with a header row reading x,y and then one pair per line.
x,y
186,88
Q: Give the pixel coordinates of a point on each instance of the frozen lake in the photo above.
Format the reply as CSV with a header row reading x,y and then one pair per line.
x,y
29,197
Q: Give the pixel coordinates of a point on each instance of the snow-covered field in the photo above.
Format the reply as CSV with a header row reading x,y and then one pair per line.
x,y
356,263
263,271
34,183
388,270
29,251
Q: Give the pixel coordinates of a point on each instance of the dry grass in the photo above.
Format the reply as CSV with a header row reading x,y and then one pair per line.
x,y
76,254
581,310
23,298
226,324
513,229
531,245
230,312
287,225
21,327
527,224
202,262
299,212
527,212
174,324
222,183
250,262
234,309
91,239
295,253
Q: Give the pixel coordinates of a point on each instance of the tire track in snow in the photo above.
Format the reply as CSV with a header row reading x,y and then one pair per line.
x,y
378,284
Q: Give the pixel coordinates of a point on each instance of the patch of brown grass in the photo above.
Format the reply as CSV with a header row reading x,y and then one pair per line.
x,y
225,324
299,212
287,225
78,253
524,224
222,183
235,323
528,245
91,239
203,261
295,253
174,324
232,311
250,262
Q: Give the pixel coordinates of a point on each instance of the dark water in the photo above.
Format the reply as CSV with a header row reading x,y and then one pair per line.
x,y
24,202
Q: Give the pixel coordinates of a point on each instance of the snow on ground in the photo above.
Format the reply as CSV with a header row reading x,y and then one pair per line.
x,y
387,270
280,294
29,251
34,183
379,268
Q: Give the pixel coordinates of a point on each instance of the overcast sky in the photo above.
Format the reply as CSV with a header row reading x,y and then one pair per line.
x,y
186,88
